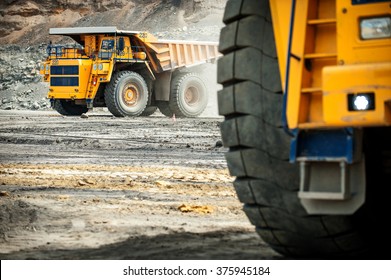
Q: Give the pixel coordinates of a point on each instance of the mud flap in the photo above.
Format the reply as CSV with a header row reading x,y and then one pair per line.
x,y
163,86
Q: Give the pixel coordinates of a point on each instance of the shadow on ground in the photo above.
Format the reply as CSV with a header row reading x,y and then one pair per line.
x,y
176,246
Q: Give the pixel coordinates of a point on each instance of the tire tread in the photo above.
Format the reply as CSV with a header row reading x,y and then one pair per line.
x,y
258,153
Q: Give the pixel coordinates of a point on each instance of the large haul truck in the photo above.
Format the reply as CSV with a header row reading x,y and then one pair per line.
x,y
131,73
307,104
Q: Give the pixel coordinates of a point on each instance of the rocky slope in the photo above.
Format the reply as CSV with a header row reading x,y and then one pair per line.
x,y
24,28
28,22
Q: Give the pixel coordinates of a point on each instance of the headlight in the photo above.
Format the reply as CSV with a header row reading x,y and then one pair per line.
x,y
361,101
100,66
47,67
375,28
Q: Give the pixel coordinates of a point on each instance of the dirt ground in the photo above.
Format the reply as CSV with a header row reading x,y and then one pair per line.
x,y
118,188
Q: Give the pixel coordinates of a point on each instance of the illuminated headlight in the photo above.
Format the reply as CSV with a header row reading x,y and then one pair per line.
x,y
361,101
375,28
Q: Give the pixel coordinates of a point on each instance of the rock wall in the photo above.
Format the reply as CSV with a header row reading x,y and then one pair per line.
x,y
28,22
20,81
24,28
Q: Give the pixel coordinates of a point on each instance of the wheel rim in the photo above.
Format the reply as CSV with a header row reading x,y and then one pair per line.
x,y
192,96
130,95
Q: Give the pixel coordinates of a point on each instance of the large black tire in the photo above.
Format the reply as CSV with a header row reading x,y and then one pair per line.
x,y
149,110
258,154
189,96
164,108
126,94
69,108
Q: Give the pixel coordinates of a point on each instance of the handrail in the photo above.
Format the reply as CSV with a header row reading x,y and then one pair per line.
x,y
77,52
287,70
65,51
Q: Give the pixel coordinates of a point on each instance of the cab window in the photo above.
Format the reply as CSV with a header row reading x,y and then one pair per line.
x,y
107,44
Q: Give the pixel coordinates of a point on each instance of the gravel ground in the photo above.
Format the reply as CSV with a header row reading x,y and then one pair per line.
x,y
109,188
118,188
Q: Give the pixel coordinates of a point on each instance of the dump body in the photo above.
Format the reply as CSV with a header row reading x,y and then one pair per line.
x,y
173,54
77,72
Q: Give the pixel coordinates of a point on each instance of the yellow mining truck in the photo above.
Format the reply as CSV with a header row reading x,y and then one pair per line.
x,y
307,104
132,73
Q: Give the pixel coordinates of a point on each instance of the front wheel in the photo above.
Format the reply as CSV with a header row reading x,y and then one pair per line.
x,y
126,94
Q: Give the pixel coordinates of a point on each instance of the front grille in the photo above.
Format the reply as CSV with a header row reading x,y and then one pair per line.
x,y
64,81
355,2
64,70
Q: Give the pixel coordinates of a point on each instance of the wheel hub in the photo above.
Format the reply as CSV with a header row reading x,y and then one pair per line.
x,y
130,95
192,96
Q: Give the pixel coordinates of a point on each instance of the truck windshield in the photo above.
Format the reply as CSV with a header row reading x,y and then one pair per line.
x,y
355,2
107,44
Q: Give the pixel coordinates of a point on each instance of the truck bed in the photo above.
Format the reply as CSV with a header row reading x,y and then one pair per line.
x,y
171,54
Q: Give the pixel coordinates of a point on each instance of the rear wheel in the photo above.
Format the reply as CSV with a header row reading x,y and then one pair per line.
x,y
69,108
189,95
126,94
164,108
149,110
251,101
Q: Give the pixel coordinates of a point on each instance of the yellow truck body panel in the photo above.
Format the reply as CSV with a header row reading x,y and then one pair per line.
x,y
330,60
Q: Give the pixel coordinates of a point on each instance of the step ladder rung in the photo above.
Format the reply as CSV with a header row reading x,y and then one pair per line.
x,y
320,55
322,21
311,90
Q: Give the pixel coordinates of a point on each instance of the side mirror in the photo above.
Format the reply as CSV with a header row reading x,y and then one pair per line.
x,y
121,44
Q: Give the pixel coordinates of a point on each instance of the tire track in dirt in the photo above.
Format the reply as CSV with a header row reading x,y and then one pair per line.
x,y
74,188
